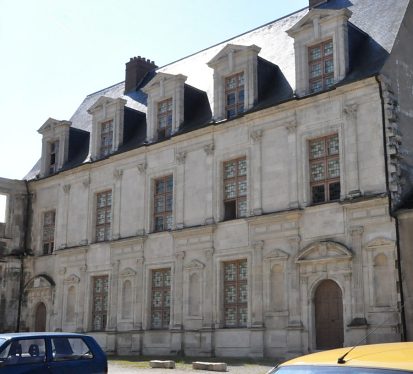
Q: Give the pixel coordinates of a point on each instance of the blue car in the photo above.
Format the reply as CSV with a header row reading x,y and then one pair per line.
x,y
50,353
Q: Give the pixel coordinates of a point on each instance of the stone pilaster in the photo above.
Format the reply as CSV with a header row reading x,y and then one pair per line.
x,y
209,167
83,310
178,291
138,317
113,312
116,201
292,166
180,189
256,172
64,212
257,285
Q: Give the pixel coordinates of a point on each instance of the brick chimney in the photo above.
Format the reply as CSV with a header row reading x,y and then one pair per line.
x,y
136,69
313,3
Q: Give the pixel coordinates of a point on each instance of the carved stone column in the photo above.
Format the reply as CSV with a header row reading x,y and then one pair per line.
x,y
292,166
352,172
113,312
116,209
256,172
180,190
209,167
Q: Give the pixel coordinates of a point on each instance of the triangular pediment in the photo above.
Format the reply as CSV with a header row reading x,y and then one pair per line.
x,y
128,272
73,278
277,254
321,15
194,264
233,48
52,123
104,101
380,242
162,78
324,251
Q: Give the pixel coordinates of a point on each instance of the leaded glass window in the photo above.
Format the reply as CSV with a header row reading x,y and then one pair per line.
x,y
106,138
234,95
235,188
321,66
324,169
235,293
49,224
100,302
103,215
163,203
161,298
165,118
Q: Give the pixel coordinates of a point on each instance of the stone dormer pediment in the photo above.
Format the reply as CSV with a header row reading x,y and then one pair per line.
x,y
162,78
231,49
276,254
103,102
324,252
317,16
127,272
52,125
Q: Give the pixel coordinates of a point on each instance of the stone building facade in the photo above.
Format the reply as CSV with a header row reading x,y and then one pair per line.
x,y
242,209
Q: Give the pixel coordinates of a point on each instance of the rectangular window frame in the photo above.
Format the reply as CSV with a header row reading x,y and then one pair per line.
x,y
48,232
106,224
53,156
104,295
232,204
106,138
238,283
237,107
163,309
325,78
166,215
326,183
164,118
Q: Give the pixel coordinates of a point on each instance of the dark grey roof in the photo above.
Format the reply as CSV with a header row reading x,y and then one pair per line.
x,y
373,28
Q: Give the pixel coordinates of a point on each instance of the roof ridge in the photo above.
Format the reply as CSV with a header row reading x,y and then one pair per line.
x,y
103,89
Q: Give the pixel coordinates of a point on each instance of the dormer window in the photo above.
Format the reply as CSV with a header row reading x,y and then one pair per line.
x,y
321,66
53,156
165,119
106,138
235,80
234,95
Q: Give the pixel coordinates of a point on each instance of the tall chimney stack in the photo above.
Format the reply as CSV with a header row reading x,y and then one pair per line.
x,y
136,69
313,3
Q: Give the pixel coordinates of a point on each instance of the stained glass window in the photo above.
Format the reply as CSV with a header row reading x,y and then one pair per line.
x,y
165,118
324,169
103,215
161,298
234,94
106,138
235,293
235,188
321,66
49,223
163,203
100,302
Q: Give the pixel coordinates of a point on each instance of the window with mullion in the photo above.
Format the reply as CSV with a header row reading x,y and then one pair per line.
x,y
324,169
235,188
164,118
163,202
235,293
321,66
103,215
234,95
161,298
106,138
100,302
49,223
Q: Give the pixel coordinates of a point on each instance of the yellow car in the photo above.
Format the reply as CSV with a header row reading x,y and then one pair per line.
x,y
389,358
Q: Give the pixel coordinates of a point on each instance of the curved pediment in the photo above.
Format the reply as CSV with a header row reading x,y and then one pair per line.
x,y
40,281
324,251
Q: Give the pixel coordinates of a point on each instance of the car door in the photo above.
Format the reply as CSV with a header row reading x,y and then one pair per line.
x,y
73,355
23,356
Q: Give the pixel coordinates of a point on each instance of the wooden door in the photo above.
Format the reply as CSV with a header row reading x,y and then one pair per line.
x,y
329,315
40,318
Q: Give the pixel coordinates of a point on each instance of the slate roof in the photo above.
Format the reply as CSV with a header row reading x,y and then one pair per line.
x,y
373,28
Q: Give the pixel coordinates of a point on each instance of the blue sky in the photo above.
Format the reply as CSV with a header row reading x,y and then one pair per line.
x,y
55,52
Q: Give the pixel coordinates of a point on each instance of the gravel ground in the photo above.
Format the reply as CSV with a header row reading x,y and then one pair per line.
x,y
129,367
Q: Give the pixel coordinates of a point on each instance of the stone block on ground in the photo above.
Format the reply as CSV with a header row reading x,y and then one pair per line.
x,y
212,366
163,364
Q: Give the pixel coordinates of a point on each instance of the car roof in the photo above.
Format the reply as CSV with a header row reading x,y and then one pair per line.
x,y
36,334
387,356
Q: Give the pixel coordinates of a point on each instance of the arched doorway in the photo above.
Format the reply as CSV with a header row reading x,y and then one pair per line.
x,y
328,305
40,317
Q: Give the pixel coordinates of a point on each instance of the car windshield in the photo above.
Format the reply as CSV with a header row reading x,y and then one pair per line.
x,y
2,340
313,369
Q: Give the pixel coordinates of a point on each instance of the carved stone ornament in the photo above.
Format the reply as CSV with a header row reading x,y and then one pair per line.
x,y
291,127
380,242
117,173
277,254
194,265
86,182
256,135
142,167
66,188
350,111
180,255
209,149
180,157
258,245
128,272
73,278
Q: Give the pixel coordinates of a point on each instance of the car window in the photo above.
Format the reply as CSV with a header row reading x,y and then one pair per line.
x,y
20,351
313,369
70,349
